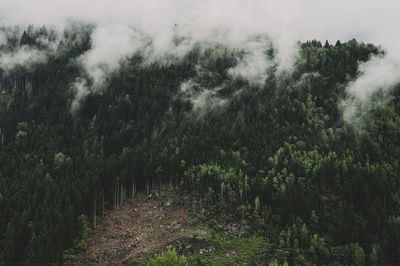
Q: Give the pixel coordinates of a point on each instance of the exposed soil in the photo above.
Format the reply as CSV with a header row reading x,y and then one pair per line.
x,y
136,230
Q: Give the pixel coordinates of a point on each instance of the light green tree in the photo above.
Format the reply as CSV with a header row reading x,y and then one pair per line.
x,y
168,258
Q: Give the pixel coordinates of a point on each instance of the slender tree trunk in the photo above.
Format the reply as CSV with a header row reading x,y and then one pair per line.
x,y
120,194
133,188
114,195
2,138
94,211
102,212
117,193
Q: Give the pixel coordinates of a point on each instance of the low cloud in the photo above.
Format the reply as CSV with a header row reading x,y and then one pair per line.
x,y
380,73
255,62
111,43
3,39
81,90
23,57
201,98
165,30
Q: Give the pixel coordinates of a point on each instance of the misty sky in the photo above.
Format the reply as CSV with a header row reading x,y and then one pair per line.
x,y
368,20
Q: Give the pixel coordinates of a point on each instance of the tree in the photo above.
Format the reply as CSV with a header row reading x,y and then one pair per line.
x,y
168,258
359,255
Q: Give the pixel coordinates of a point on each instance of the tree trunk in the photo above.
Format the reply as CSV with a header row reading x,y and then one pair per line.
x,y
133,188
115,194
102,212
2,138
121,193
94,211
118,193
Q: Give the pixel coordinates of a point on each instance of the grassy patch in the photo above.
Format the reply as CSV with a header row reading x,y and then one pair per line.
x,y
220,249
156,231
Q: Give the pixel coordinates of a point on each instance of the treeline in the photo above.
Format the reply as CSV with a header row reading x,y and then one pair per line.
x,y
278,152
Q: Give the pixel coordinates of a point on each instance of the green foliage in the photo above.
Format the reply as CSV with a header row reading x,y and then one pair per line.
x,y
374,256
218,248
275,153
276,263
359,256
79,244
168,258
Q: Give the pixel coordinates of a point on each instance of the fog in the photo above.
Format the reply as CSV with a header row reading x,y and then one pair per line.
x,y
23,57
124,26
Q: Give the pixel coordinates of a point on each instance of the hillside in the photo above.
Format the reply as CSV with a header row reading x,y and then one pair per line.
x,y
148,224
293,153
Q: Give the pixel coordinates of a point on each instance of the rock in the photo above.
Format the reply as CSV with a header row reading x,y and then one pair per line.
x,y
167,203
207,250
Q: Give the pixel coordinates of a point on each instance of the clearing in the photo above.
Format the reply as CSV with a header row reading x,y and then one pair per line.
x,y
146,225
135,230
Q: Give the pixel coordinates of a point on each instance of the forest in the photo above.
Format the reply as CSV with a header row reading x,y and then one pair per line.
x,y
275,150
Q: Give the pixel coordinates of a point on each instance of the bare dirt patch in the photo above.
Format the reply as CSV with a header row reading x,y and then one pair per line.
x,y
135,230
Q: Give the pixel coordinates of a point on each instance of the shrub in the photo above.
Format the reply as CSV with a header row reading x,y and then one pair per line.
x,y
168,258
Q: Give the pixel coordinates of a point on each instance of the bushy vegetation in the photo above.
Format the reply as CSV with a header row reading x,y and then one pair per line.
x,y
276,152
213,247
79,244
168,258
